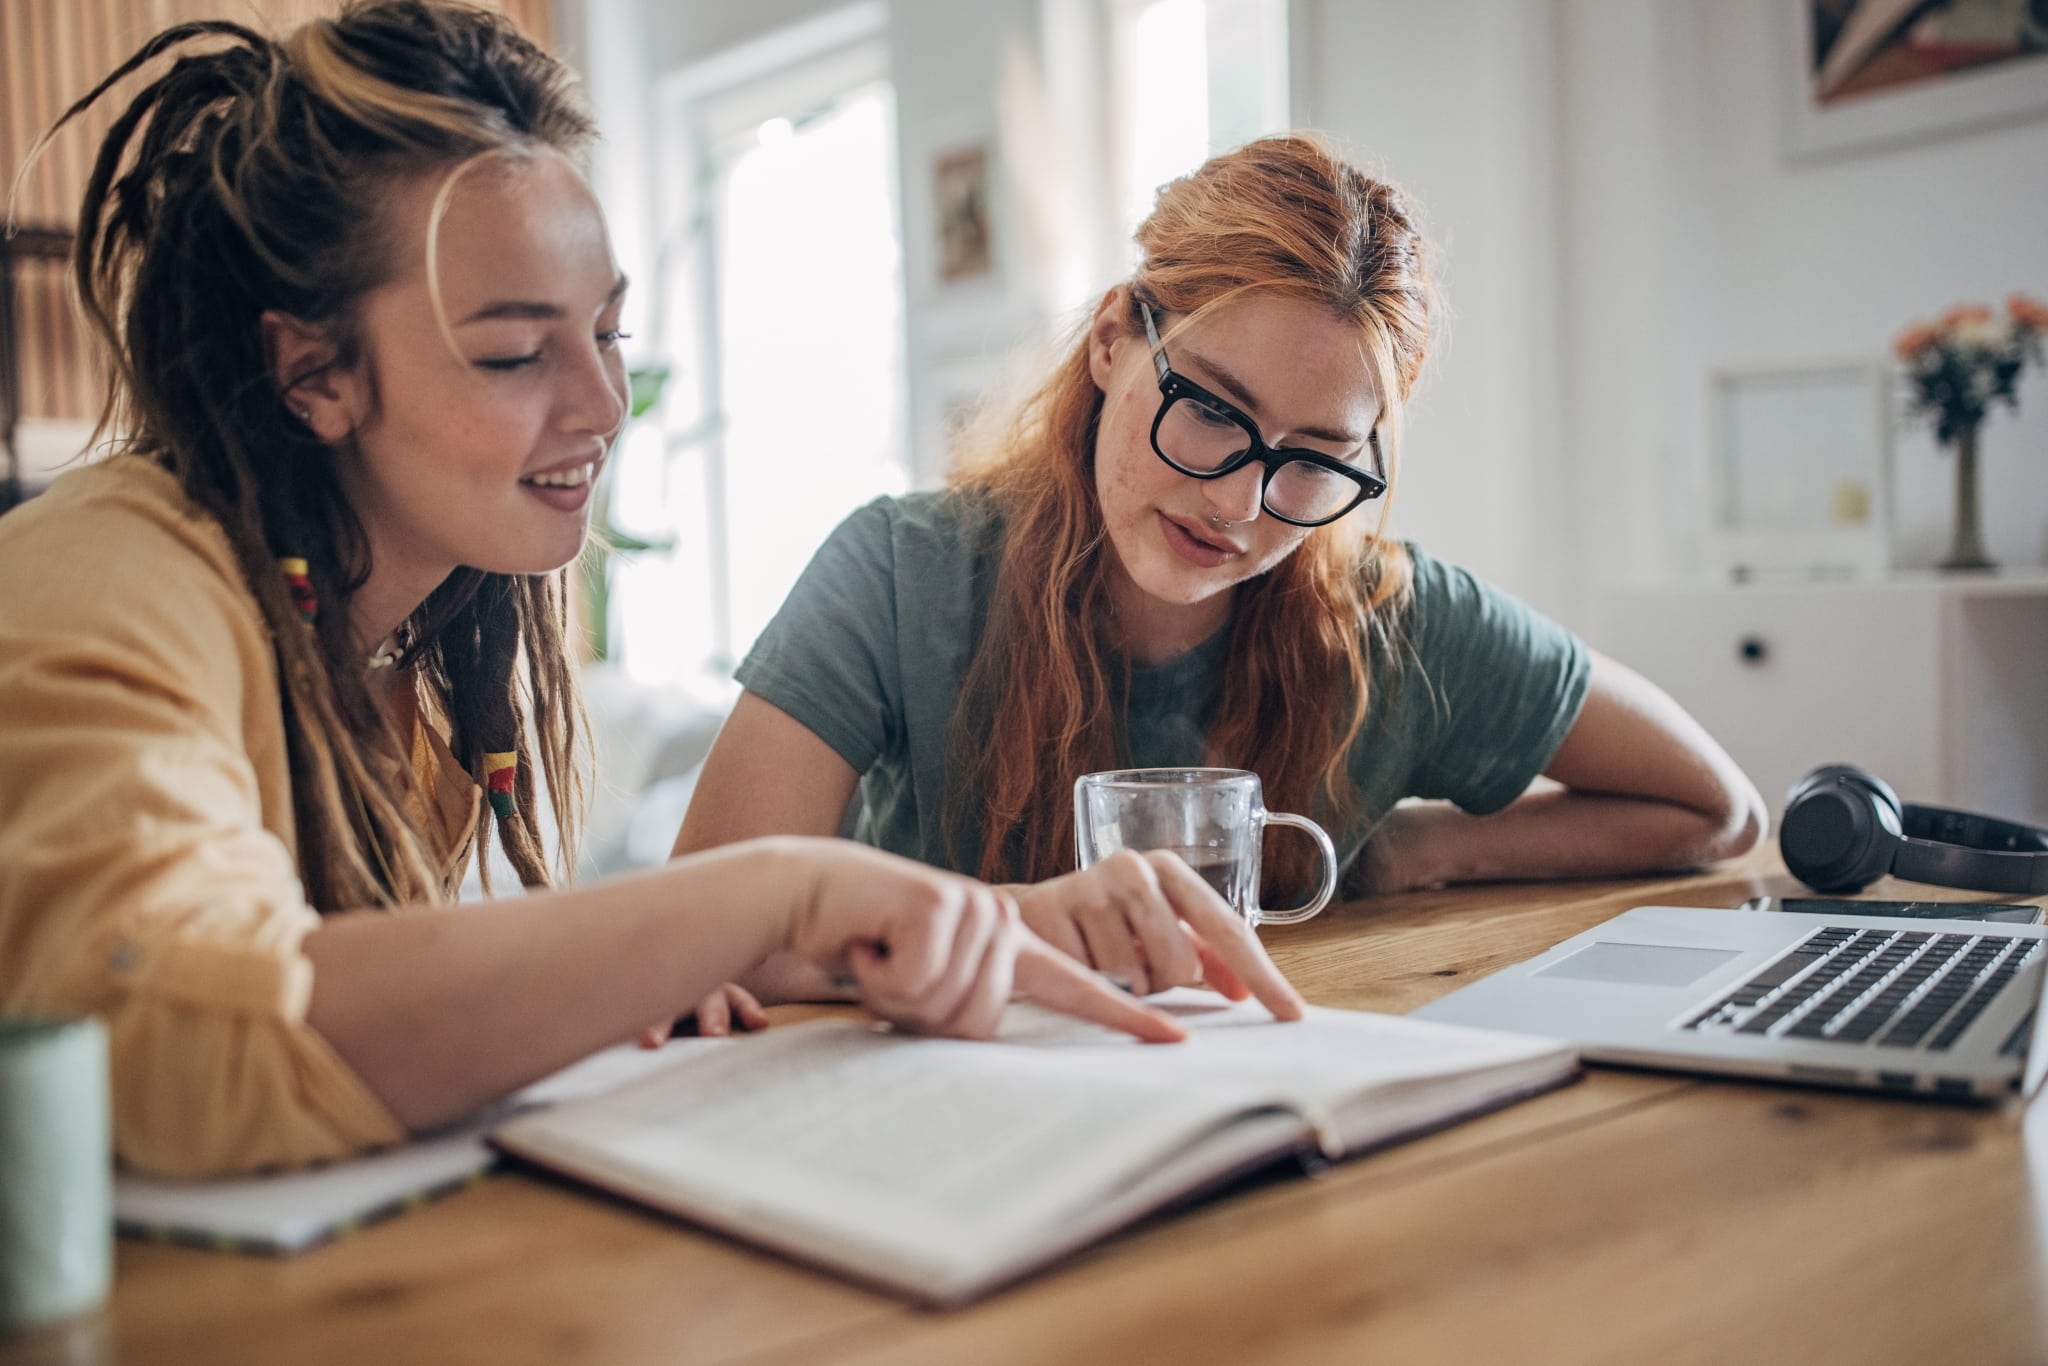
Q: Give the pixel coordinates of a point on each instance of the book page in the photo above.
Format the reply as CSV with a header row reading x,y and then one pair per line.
x,y
1323,1064
945,1153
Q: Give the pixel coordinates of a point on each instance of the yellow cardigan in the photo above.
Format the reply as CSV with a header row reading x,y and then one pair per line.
x,y
148,869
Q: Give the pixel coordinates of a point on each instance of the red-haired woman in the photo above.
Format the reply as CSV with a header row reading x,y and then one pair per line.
x,y
1171,556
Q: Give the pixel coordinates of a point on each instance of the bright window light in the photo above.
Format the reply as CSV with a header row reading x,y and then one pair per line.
x,y
1194,77
809,420
811,316
1166,99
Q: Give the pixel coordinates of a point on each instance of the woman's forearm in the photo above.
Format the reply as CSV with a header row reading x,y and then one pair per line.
x,y
441,1010
1551,834
769,774
1643,790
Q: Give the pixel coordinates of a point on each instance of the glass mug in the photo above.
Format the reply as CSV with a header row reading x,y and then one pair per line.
x,y
1214,818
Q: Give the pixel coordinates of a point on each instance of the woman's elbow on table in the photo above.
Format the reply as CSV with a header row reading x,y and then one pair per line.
x,y
1737,822
1632,740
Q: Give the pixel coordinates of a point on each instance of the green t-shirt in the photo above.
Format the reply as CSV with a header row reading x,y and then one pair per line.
x,y
870,650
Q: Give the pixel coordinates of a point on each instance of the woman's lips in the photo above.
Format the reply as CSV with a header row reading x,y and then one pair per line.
x,y
1192,548
562,499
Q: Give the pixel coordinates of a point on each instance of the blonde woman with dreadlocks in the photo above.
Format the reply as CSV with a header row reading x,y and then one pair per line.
x,y
258,669
1173,555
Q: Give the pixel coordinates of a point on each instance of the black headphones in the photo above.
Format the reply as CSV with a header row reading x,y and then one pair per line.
x,y
1844,828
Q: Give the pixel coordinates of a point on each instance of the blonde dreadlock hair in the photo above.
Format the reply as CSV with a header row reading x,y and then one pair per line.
x,y
247,177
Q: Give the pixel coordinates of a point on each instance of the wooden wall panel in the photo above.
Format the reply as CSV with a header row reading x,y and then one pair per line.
x,y
51,53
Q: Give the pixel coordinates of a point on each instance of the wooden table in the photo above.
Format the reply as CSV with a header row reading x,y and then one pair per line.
x,y
1632,1217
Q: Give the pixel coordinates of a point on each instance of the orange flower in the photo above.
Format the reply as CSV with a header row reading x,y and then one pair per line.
x,y
2028,312
1914,340
1964,313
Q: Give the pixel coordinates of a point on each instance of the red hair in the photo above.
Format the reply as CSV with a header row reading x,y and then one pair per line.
x,y
1038,706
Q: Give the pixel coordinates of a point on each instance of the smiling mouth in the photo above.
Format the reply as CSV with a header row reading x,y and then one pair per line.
x,y
573,477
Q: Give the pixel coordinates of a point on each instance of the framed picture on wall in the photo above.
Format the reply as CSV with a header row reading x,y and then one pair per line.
x,y
960,200
1867,74
1800,470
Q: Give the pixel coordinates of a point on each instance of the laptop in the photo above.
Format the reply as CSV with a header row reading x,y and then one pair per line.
x,y
1926,1007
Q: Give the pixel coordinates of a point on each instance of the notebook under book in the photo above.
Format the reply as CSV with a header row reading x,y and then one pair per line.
x,y
287,1212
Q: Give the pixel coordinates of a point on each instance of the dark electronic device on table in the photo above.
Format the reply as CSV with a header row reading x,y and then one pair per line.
x,y
1844,828
2002,912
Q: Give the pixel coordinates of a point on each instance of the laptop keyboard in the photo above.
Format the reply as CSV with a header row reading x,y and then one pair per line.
x,y
1892,988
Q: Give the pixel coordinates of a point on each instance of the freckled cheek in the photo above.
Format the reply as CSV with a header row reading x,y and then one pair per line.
x,y
1128,498
1128,476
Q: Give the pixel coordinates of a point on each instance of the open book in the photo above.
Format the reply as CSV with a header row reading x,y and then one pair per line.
x,y
939,1169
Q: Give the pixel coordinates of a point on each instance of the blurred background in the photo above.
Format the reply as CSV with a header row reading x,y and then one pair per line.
x,y
1677,239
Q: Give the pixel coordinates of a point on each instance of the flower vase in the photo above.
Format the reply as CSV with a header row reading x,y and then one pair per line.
x,y
1966,544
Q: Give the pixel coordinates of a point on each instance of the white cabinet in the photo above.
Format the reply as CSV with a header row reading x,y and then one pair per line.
x,y
1938,684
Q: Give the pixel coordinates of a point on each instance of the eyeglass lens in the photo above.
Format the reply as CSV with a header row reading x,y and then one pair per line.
x,y
1200,438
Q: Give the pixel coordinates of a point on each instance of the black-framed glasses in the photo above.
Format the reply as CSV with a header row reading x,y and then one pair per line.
x,y
1205,437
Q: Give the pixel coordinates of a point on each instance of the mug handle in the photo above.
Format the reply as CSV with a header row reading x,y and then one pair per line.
x,y
1323,893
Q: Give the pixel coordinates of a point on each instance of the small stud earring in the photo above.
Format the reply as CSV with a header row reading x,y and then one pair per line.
x,y
304,415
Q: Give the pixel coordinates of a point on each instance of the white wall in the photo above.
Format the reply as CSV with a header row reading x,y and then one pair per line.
x,y
1621,433
1776,260
1618,215
1693,242
1454,100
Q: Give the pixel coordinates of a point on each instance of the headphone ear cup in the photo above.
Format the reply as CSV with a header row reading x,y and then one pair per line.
x,y
1880,788
1814,779
1828,773
1840,830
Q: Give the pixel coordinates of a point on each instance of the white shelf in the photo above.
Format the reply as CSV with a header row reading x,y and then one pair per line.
x,y
1937,682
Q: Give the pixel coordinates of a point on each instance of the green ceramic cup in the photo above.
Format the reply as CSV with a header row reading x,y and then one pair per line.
x,y
56,1171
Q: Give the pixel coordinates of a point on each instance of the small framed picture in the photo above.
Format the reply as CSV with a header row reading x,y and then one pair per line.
x,y
960,198
1800,470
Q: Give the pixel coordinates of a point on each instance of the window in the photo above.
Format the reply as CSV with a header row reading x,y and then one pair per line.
x,y
779,297
782,313
1194,77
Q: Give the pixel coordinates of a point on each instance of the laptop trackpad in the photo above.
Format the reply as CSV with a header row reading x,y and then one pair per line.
x,y
1649,965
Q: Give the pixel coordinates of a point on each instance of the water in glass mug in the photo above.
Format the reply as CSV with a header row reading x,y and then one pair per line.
x,y
1214,818
1230,874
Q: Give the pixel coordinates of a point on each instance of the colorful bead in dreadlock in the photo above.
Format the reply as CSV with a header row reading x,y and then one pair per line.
x,y
297,579
499,771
